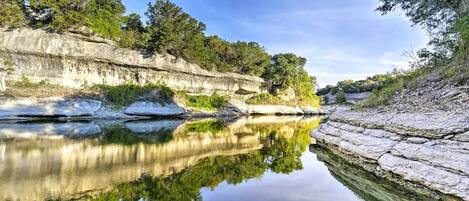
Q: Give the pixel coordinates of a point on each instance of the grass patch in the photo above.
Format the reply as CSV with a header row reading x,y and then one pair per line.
x,y
384,95
264,98
457,74
269,99
126,94
213,102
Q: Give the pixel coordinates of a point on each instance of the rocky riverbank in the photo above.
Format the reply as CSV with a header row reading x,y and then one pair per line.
x,y
20,108
427,152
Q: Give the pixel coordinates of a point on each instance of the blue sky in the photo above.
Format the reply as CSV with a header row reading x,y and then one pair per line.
x,y
342,39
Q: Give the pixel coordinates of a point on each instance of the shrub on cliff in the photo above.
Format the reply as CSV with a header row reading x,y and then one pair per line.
x,y
104,17
126,94
213,102
340,98
12,14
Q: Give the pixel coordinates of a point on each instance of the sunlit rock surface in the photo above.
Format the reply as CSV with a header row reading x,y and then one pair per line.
x,y
73,61
142,108
48,107
427,149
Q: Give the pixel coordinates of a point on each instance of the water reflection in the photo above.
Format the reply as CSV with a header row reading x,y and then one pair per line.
x,y
256,158
76,160
362,183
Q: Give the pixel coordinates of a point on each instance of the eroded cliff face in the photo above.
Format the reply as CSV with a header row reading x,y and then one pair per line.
x,y
74,61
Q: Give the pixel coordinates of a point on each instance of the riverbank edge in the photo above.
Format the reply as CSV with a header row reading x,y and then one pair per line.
x,y
80,109
392,146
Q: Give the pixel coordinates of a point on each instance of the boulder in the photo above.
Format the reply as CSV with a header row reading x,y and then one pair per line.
x,y
144,108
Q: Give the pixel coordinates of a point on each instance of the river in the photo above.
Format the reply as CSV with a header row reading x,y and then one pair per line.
x,y
251,158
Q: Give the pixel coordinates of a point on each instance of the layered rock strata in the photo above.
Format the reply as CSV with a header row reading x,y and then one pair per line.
x,y
75,61
427,152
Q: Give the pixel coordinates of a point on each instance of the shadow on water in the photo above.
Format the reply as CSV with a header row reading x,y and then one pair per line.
x,y
363,183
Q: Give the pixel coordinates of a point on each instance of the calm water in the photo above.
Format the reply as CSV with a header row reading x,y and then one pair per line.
x,y
261,158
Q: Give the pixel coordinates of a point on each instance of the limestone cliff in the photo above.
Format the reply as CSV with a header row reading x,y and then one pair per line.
x,y
73,61
426,152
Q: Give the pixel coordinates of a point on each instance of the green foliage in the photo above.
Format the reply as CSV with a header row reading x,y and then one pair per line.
x,y
251,58
203,102
286,70
462,28
212,126
12,14
383,96
134,34
340,98
375,82
175,32
172,30
125,94
104,17
27,83
264,98
8,67
448,24
439,17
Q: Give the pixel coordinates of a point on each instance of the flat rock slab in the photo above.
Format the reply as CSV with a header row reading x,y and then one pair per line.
x,y
432,177
48,107
244,108
437,158
143,108
434,125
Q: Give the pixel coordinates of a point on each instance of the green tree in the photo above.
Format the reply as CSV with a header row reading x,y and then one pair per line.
x,y
251,58
171,29
104,17
286,69
441,18
223,53
134,33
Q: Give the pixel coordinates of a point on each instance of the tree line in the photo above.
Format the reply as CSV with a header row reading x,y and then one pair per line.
x,y
168,30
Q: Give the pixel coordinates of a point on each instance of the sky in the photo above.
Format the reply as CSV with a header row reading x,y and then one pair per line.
x,y
342,39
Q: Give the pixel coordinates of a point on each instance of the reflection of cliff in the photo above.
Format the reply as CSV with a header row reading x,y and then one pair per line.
x,y
33,167
280,155
361,182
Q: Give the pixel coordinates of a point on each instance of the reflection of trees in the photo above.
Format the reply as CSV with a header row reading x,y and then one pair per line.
x,y
281,155
119,134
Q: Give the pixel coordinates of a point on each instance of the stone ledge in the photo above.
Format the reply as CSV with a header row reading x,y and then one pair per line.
x,y
439,164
